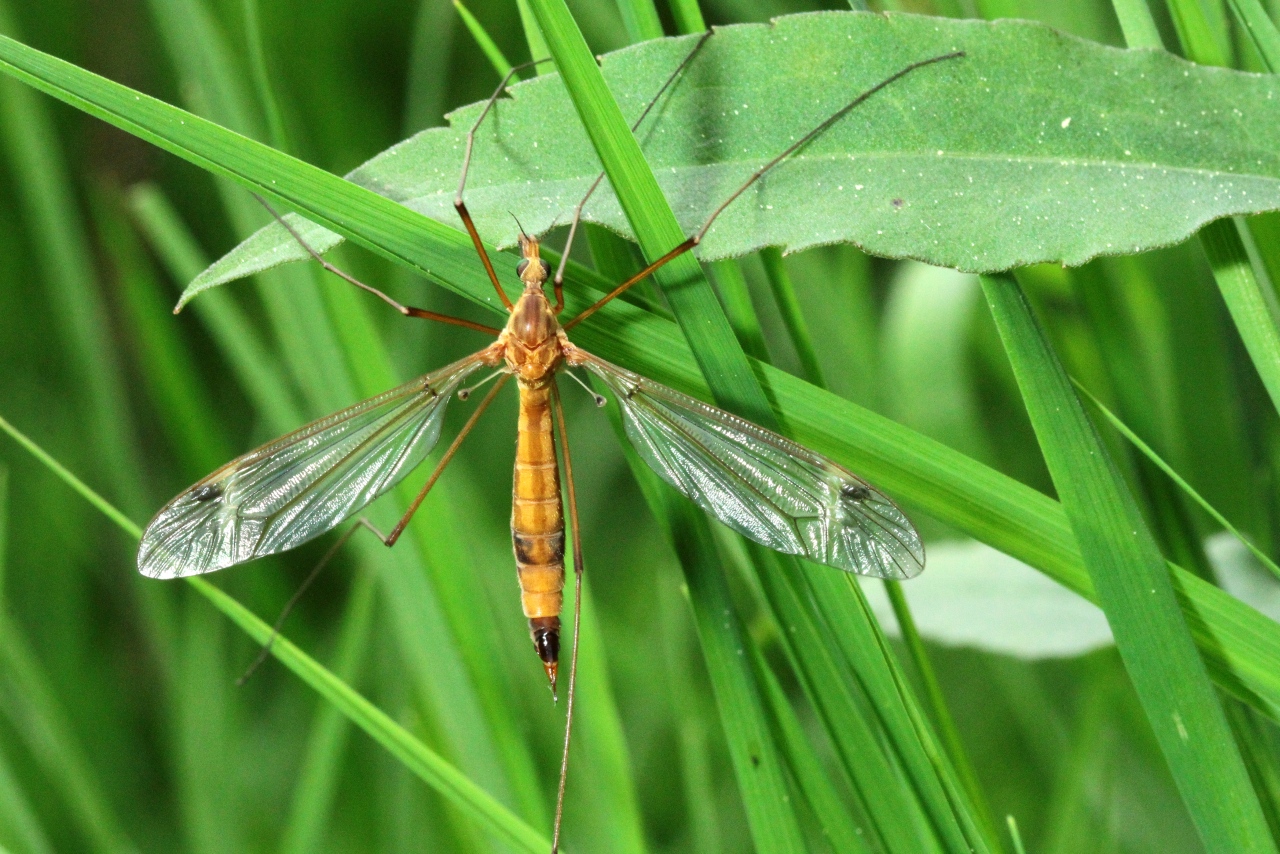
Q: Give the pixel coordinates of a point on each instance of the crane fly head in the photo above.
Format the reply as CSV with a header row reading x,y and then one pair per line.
x,y
532,270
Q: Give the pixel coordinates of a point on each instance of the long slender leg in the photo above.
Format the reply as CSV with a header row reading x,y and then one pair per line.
x,y
406,310
577,613
577,212
362,522
461,206
693,241
390,540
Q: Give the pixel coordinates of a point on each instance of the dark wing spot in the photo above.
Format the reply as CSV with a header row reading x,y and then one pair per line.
x,y
208,492
855,492
897,203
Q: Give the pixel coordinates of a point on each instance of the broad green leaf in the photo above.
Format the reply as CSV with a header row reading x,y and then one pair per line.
x,y
1035,147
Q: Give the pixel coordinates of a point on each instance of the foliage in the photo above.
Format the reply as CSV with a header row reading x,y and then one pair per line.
x,y
773,712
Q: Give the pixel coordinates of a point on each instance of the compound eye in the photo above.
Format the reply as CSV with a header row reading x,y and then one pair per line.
x,y
522,266
546,269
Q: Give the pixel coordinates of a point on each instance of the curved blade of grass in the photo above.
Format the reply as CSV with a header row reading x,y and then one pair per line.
x,y
838,826
1261,29
416,756
164,358
692,301
17,817
736,299
640,18
1134,590
784,295
57,227
247,354
930,782
897,820
201,709
316,785
487,45
31,705
1149,453
710,335
1242,292
757,765
1241,647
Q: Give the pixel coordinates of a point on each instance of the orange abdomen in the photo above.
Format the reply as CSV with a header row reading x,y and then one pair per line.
x,y
537,524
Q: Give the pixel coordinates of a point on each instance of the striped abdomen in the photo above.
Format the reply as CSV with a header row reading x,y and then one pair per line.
x,y
537,525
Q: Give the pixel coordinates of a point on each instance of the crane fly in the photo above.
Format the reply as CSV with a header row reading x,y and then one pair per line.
x,y
762,485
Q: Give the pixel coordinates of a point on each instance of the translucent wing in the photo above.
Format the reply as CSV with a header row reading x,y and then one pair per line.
x,y
303,484
764,486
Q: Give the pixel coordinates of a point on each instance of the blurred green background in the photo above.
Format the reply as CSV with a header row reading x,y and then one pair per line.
x,y
121,726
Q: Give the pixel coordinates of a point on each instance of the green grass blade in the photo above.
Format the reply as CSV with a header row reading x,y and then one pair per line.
x,y
1203,33
315,790
904,736
1148,452
1137,24
250,359
732,286
538,50
202,727
262,78
1261,29
757,764
215,87
898,822
640,18
1133,586
417,757
487,45
18,822
687,290
4,530
201,709
1015,835
862,643
177,390
413,754
688,16
29,702
1242,291
784,295
607,817
838,826
948,732
48,200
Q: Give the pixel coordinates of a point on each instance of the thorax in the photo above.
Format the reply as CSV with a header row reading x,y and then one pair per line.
x,y
533,344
